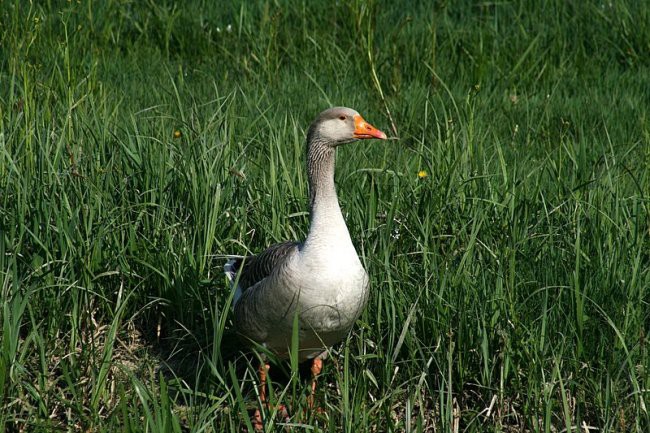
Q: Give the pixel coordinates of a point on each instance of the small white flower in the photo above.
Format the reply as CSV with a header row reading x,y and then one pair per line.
x,y
229,28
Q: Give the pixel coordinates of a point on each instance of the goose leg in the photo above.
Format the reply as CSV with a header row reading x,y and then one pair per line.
x,y
263,370
316,368
258,424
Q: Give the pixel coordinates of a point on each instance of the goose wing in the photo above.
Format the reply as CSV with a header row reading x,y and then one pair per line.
x,y
253,269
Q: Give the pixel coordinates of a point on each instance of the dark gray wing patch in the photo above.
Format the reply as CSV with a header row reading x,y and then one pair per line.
x,y
255,268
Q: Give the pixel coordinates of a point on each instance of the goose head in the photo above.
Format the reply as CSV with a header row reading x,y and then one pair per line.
x,y
341,125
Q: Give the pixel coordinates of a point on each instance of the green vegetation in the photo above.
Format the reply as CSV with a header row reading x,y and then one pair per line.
x,y
510,280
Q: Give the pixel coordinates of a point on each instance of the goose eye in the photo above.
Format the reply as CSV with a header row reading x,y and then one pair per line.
x,y
342,117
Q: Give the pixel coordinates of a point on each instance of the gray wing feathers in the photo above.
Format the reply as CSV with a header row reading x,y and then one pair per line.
x,y
253,269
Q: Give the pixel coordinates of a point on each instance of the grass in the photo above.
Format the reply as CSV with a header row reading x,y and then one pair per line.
x,y
510,285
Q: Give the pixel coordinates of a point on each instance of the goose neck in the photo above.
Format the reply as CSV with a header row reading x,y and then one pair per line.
x,y
320,171
327,225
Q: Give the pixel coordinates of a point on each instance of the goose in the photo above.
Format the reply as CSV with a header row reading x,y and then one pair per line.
x,y
320,281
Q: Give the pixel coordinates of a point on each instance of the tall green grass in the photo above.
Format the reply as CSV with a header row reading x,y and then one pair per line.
x,y
510,285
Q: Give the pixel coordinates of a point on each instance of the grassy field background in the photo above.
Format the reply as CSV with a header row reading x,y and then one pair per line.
x,y
510,279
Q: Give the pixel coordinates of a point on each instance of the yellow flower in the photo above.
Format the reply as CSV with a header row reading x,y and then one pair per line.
x,y
177,134
422,174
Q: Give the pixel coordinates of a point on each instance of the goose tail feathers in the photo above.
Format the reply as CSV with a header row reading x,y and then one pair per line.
x,y
230,269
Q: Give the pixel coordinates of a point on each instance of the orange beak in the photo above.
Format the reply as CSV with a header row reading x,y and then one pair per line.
x,y
364,130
